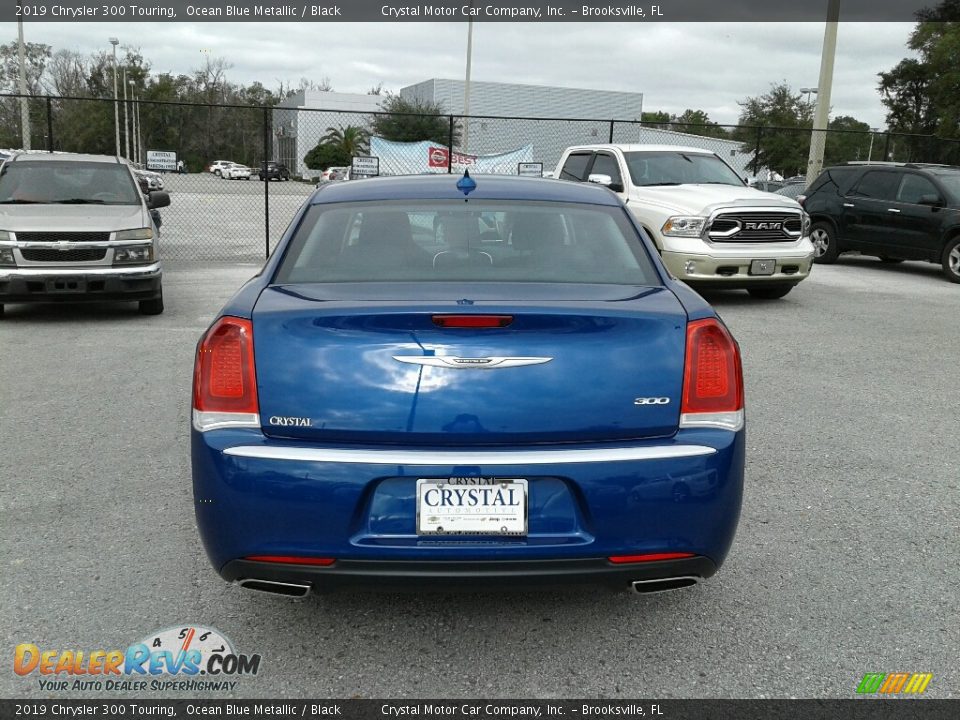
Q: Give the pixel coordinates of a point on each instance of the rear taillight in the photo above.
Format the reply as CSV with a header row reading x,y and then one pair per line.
x,y
648,557
292,559
712,378
224,377
472,321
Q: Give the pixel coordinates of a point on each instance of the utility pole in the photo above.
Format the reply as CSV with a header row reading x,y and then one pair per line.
x,y
126,118
24,102
116,109
821,116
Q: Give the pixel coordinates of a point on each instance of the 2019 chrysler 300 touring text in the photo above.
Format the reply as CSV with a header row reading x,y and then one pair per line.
x,y
485,381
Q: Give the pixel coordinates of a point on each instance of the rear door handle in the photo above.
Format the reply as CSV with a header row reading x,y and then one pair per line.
x,y
893,210
849,205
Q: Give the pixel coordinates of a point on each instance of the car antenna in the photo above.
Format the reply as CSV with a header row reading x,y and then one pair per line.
x,y
466,184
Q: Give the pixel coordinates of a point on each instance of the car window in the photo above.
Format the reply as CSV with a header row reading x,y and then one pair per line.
x,y
605,164
575,168
67,182
878,185
443,240
913,187
679,168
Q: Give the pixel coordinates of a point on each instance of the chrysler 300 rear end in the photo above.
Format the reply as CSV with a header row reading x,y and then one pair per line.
x,y
429,392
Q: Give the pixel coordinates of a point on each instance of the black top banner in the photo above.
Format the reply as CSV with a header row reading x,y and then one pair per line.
x,y
631,11
474,709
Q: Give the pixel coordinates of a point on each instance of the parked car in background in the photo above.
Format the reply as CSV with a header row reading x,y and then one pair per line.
x,y
710,228
335,173
895,211
794,191
77,227
273,171
153,179
234,171
767,185
217,166
383,405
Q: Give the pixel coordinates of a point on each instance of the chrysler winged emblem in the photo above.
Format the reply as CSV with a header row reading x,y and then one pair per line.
x,y
477,363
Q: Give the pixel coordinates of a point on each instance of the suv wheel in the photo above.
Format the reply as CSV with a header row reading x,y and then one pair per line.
x,y
152,307
770,292
218,173
824,239
951,260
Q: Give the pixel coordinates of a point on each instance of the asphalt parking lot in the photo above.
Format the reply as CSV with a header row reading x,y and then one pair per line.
x,y
846,560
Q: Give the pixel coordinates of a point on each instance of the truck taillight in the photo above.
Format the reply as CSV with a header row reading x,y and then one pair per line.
x,y
712,378
224,377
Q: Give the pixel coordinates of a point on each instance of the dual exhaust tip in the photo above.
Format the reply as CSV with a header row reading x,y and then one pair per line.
x,y
648,587
295,590
300,590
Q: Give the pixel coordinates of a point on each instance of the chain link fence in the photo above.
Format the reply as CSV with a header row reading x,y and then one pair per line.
x,y
219,214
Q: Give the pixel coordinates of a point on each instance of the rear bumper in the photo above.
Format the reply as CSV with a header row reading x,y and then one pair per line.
x,y
469,575
75,284
359,506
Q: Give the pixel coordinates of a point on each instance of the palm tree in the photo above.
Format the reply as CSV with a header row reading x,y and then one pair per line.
x,y
351,140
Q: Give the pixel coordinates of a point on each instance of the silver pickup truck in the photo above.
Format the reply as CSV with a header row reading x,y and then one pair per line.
x,y
77,227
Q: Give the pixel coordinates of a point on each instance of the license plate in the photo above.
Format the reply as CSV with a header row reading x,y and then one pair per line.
x,y
67,285
763,267
471,506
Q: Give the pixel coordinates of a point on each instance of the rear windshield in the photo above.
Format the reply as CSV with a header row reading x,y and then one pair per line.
x,y
456,241
679,168
53,182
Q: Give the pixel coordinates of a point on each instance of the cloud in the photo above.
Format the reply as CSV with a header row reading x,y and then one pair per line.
x,y
676,65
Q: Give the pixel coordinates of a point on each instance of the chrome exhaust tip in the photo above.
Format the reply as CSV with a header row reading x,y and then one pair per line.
x,y
648,587
273,587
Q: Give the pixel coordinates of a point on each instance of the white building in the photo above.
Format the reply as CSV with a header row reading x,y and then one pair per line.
x,y
551,118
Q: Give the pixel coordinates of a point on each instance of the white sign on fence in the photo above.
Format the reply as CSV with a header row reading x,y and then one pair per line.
x,y
364,166
530,169
161,160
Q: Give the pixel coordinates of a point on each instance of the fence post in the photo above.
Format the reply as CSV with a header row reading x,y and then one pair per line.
x,y
886,148
49,124
266,179
611,133
756,154
450,146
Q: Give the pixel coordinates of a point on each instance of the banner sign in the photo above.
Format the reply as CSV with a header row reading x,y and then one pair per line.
x,y
414,158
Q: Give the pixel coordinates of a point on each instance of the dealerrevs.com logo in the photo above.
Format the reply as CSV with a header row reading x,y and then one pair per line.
x,y
191,658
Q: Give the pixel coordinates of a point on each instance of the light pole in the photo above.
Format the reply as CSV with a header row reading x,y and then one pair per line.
x,y
126,119
466,85
821,116
136,118
133,122
808,91
870,152
116,110
22,73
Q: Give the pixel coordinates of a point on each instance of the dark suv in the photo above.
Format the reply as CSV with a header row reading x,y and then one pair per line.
x,y
274,171
895,211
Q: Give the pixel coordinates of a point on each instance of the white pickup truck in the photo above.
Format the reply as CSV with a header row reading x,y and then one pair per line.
x,y
710,228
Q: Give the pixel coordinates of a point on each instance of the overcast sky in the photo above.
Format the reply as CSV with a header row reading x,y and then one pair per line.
x,y
706,66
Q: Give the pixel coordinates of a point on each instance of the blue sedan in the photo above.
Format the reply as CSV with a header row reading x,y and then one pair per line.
x,y
440,381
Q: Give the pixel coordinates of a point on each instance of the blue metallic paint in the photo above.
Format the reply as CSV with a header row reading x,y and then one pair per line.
x,y
251,506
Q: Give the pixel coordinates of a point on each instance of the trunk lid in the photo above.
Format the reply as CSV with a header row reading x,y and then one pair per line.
x,y
327,367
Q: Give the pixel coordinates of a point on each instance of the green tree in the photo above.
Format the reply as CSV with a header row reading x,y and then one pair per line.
x,y
851,141
785,141
657,119
413,120
698,122
352,140
326,155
